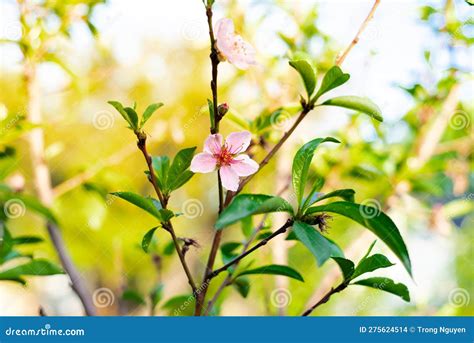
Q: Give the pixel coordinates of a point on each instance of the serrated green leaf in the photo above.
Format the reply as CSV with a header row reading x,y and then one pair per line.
x,y
307,73
147,239
356,103
347,267
301,164
244,205
321,247
371,263
274,269
386,285
149,112
332,79
379,223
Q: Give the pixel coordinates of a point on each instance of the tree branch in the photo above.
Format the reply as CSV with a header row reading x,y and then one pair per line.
x,y
164,203
325,299
340,59
260,244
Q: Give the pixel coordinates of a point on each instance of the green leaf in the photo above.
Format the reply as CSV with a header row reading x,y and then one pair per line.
x,y
180,305
147,239
274,269
356,103
6,243
321,247
211,112
346,194
149,112
133,117
161,166
178,173
387,285
30,203
307,73
245,205
228,251
118,106
169,249
27,240
380,224
301,164
247,226
333,78
156,294
313,194
38,267
242,285
346,266
133,296
371,263
146,204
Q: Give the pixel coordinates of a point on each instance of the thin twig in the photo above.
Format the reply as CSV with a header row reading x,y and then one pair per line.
x,y
200,300
164,202
326,298
340,59
260,244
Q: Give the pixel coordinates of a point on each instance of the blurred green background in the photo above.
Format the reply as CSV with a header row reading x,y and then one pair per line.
x,y
415,60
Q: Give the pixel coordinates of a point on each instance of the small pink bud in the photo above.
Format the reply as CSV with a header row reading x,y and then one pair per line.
x,y
16,182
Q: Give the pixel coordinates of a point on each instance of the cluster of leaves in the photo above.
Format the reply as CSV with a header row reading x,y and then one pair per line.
x,y
15,265
306,213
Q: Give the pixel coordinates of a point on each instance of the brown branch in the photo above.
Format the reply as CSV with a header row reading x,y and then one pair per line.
x,y
164,202
340,59
42,183
260,244
325,299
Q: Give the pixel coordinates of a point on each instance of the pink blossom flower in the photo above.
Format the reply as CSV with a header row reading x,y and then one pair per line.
x,y
232,46
227,157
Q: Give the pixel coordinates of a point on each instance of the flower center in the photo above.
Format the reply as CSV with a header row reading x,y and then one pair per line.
x,y
224,157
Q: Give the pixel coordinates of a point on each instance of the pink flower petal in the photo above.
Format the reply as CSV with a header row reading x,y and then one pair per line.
x,y
238,141
203,163
213,144
242,54
230,179
243,165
